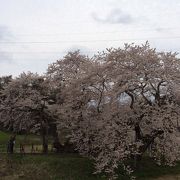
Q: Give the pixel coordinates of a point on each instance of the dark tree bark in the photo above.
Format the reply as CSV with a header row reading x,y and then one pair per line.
x,y
146,140
44,142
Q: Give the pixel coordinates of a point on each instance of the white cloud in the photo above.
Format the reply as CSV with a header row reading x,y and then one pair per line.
x,y
113,23
115,16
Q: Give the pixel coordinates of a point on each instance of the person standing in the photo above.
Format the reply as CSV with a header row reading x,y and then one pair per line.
x,y
11,143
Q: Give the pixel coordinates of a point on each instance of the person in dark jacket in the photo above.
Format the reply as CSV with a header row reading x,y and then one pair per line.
x,y
11,143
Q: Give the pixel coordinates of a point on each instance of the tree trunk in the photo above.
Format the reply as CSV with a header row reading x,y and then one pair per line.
x,y
56,144
44,131
44,134
44,142
147,141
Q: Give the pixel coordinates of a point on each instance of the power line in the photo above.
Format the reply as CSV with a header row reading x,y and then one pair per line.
x,y
85,41
45,52
103,32
62,52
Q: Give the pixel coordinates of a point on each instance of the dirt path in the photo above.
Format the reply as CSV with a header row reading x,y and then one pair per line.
x,y
169,177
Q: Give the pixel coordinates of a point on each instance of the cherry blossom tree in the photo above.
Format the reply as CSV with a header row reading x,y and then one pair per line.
x,y
62,74
116,106
125,103
25,107
4,81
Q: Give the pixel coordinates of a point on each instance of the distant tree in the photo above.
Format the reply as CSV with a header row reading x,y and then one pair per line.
x,y
25,107
4,81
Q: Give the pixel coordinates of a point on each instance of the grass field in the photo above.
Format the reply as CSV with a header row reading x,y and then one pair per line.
x,y
4,137
65,166
27,140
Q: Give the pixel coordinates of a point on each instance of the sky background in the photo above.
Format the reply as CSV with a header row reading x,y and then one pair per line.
x,y
35,33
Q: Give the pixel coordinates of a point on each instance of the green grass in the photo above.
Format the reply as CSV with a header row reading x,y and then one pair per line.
x,y
148,169
46,167
25,139
69,167
4,137
64,166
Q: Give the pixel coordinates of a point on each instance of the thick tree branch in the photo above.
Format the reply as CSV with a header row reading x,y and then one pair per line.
x,y
132,98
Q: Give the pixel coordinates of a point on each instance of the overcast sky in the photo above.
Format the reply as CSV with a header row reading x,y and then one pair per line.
x,y
35,33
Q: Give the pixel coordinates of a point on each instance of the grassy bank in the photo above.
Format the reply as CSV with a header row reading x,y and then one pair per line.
x,y
67,167
46,167
63,166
